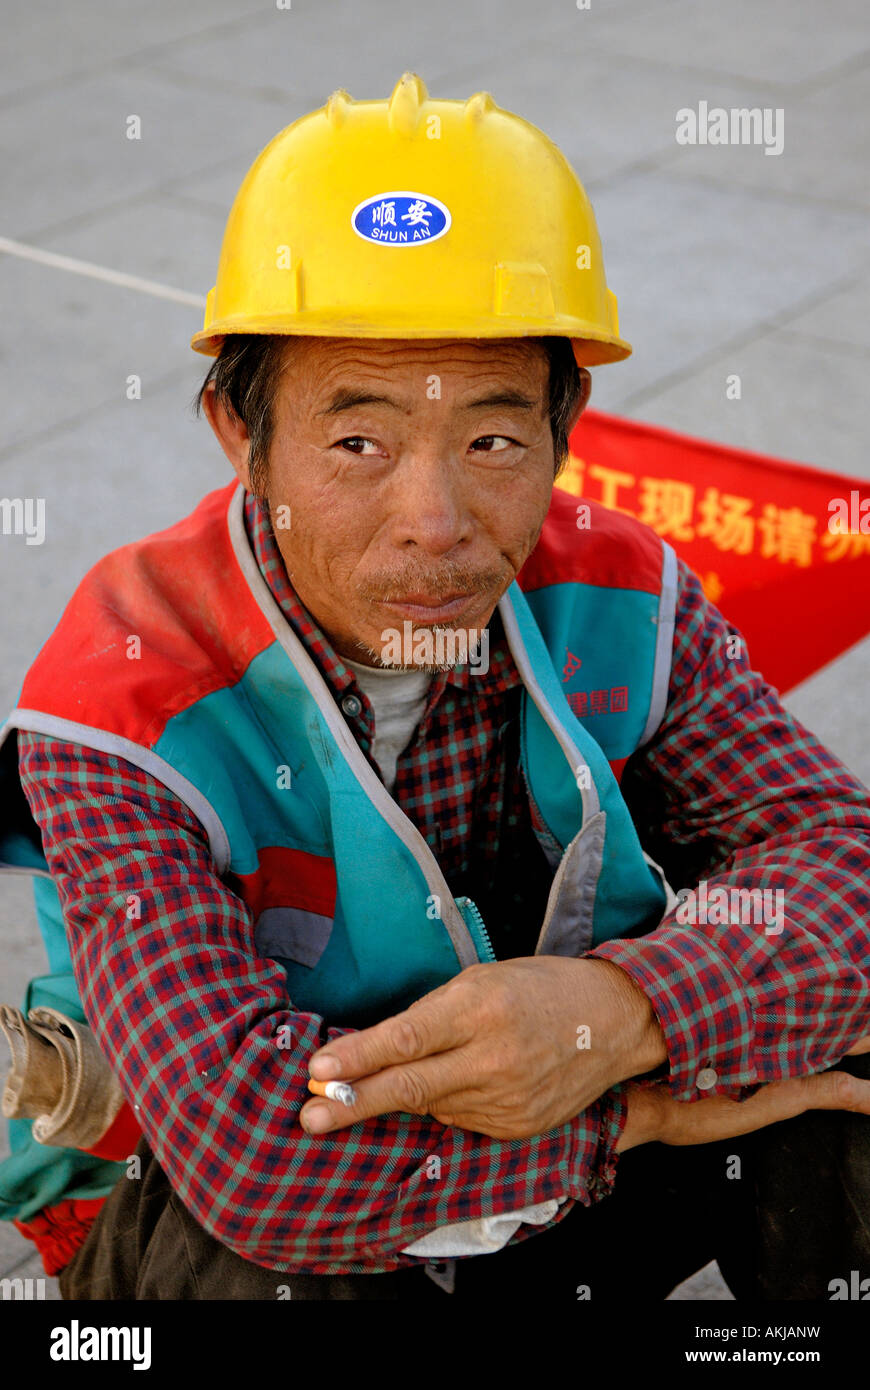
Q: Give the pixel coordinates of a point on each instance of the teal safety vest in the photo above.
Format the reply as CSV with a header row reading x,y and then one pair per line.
x,y
174,654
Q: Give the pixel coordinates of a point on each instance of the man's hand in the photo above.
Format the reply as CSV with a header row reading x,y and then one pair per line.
x,y
654,1115
509,1049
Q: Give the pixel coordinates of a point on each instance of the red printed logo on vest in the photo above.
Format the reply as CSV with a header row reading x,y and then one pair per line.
x,y
571,665
612,701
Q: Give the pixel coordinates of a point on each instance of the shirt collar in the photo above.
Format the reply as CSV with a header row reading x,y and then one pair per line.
x,y
501,675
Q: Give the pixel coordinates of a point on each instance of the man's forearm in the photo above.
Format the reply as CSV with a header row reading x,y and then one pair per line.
x,y
734,793
740,1007
195,1041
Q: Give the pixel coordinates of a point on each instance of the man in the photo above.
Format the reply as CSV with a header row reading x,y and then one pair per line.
x,y
314,804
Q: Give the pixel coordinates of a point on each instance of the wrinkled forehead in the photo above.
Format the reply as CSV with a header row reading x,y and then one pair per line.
x,y
436,366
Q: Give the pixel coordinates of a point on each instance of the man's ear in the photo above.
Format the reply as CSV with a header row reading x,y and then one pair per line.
x,y
231,433
583,399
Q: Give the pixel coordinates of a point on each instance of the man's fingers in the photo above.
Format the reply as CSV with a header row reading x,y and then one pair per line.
x,y
859,1048
829,1090
839,1090
433,1024
705,1121
413,1088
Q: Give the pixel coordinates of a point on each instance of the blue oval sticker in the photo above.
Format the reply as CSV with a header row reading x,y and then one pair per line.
x,y
400,219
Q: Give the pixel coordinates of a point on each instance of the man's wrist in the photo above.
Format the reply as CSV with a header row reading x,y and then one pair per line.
x,y
641,1122
640,1045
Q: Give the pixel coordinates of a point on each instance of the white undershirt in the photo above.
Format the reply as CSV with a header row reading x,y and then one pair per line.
x,y
398,699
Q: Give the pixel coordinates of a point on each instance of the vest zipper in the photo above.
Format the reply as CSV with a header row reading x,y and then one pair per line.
x,y
474,922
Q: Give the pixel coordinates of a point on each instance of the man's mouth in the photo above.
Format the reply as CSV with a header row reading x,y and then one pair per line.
x,y
431,606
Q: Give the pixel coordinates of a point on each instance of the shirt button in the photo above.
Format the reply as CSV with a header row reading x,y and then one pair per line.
x,y
707,1077
351,705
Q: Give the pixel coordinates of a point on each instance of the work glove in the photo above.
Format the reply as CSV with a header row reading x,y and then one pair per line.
x,y
59,1079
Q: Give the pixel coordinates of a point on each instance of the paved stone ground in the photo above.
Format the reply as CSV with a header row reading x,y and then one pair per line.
x,y
724,259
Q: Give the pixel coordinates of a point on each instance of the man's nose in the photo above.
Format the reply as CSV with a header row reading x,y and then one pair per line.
x,y
429,502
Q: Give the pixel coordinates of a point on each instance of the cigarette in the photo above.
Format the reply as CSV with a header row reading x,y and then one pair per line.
x,y
334,1090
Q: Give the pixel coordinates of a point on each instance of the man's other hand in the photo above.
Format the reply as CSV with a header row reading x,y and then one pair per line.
x,y
654,1115
509,1049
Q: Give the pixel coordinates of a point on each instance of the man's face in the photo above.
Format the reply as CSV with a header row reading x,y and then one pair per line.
x,y
414,471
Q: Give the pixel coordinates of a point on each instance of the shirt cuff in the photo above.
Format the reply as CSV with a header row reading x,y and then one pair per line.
x,y
703,1004
597,1157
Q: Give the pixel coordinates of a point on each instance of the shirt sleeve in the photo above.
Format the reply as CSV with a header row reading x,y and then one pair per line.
x,y
733,792
188,1014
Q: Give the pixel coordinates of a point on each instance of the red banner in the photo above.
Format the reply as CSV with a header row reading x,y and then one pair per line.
x,y
778,546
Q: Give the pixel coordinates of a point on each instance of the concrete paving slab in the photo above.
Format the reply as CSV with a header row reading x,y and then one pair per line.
x,y
786,42
802,399
824,147
135,468
215,188
22,959
315,48
843,318
33,1268
23,956
833,703
15,1249
42,49
170,240
696,267
66,154
606,117
69,346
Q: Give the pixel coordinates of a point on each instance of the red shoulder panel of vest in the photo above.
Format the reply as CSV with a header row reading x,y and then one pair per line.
x,y
613,550
182,593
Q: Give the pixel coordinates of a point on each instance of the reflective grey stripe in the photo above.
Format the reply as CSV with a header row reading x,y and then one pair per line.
x,y
664,644
293,933
33,722
371,784
589,795
569,921
17,869
568,924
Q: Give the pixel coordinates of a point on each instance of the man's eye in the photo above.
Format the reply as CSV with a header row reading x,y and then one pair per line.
x,y
498,441
354,443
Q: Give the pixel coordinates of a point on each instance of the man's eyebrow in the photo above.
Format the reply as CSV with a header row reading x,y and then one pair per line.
x,y
514,399
347,398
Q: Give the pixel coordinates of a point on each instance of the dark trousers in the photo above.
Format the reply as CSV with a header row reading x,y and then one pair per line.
x,y
785,1211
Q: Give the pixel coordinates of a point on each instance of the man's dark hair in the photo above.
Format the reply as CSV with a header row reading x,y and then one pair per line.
x,y
247,369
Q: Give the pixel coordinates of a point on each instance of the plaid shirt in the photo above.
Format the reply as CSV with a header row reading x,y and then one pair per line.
x,y
730,787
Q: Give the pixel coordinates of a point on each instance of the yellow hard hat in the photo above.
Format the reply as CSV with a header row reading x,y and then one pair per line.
x,y
413,218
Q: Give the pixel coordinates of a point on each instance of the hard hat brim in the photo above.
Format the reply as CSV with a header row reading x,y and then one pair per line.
x,y
591,348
